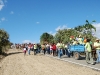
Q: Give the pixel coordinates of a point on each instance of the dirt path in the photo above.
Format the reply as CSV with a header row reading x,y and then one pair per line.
x,y
16,64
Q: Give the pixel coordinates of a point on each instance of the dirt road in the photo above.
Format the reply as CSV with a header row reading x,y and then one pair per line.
x,y
16,64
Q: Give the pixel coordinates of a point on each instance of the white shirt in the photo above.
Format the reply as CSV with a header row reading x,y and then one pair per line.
x,y
24,48
50,47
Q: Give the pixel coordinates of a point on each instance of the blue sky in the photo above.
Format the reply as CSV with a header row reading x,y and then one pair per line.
x,y
26,20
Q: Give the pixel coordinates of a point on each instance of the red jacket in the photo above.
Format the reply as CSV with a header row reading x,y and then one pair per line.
x,y
53,47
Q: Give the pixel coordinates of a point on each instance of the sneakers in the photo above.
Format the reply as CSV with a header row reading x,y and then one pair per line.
x,y
87,62
93,63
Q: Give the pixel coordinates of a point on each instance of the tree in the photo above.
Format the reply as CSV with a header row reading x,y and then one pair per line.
x,y
4,40
87,29
46,38
64,35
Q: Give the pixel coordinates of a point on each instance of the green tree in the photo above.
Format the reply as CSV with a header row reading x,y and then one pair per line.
x,y
87,29
4,40
64,35
46,38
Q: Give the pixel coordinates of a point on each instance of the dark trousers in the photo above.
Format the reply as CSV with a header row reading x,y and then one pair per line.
x,y
44,51
63,51
35,51
54,52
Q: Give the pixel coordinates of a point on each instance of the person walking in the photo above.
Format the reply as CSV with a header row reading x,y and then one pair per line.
x,y
59,49
66,47
24,50
48,48
88,51
29,47
39,48
54,49
51,51
35,49
97,47
43,48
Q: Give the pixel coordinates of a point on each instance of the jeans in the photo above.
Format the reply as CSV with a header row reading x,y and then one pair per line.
x,y
98,56
51,51
67,52
29,52
60,53
48,50
39,50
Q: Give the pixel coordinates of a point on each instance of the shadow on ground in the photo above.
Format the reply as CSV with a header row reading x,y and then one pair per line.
x,y
14,53
3,55
82,58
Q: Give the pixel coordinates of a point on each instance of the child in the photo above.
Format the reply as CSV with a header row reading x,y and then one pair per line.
x,y
24,50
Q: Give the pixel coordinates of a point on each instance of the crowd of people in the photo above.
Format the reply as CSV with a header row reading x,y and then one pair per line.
x,y
59,49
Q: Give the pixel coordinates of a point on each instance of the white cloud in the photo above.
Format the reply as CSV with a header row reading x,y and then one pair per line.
x,y
52,33
58,28
97,33
37,22
3,19
35,41
61,27
26,41
11,12
29,41
2,4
